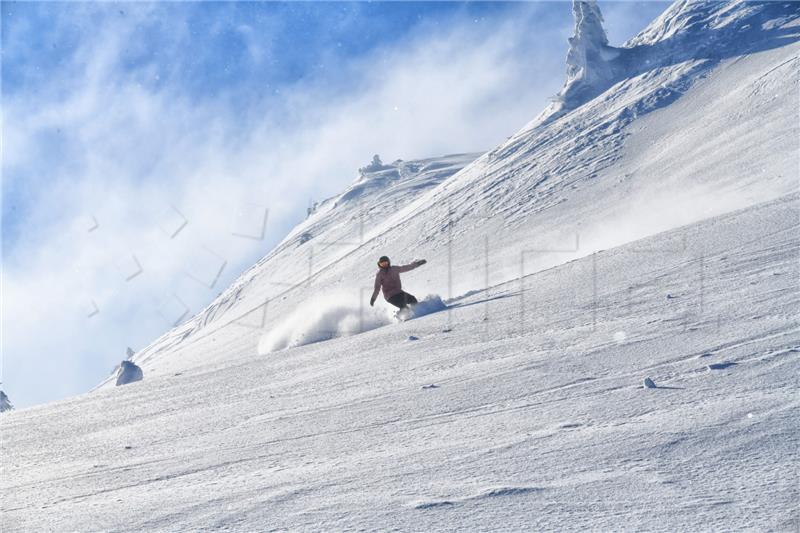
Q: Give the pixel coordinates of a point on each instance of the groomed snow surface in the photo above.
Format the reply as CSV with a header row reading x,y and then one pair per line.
x,y
520,408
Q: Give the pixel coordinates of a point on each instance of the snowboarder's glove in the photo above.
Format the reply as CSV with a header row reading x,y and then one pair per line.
x,y
372,302
421,262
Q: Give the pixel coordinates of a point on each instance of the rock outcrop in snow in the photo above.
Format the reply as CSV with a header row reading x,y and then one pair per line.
x,y
5,403
128,373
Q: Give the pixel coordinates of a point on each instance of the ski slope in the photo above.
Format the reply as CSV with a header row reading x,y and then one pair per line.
x,y
645,225
521,408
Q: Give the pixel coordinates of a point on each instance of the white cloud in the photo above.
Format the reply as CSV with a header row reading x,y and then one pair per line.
x,y
134,153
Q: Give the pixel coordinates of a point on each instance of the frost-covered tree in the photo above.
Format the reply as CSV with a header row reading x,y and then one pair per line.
x,y
375,164
590,65
589,53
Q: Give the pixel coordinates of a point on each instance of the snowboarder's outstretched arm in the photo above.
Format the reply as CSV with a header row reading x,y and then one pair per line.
x,y
411,266
376,290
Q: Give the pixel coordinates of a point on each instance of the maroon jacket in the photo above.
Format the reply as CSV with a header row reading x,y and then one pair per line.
x,y
389,280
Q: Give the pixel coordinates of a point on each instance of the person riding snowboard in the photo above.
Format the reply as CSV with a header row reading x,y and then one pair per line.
x,y
388,279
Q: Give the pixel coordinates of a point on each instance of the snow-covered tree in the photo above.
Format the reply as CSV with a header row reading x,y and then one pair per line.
x,y
375,164
590,66
589,53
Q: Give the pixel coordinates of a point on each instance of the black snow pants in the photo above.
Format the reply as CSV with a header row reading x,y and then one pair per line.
x,y
402,299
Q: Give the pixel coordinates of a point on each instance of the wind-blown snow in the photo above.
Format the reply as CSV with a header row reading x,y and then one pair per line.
x,y
330,316
336,315
432,303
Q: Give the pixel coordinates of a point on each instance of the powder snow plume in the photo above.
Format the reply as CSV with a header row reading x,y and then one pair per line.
x,y
339,315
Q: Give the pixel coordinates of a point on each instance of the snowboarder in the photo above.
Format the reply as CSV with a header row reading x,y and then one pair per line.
x,y
388,279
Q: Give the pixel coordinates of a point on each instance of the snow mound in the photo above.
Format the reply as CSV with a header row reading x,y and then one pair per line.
x,y
338,316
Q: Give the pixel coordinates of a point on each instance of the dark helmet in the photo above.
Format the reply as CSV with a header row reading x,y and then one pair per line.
x,y
384,259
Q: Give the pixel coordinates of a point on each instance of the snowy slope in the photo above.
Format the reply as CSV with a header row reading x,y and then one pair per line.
x,y
520,410
644,225
333,230
702,121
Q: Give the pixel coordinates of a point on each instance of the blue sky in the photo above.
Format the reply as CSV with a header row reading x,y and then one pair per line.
x,y
126,122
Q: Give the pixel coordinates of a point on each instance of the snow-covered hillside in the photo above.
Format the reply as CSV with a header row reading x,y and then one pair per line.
x,y
702,121
644,225
521,409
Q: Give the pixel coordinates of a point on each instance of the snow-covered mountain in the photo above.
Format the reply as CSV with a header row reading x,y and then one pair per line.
x,y
644,225
699,119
